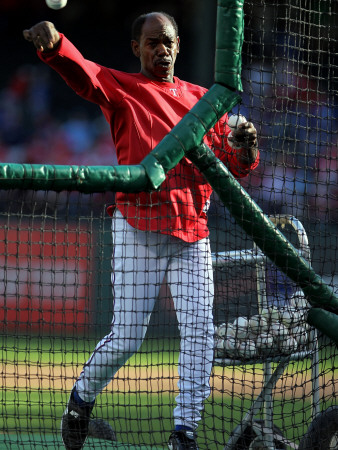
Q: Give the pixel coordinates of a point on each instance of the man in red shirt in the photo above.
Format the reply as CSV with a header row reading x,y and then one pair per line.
x,y
158,234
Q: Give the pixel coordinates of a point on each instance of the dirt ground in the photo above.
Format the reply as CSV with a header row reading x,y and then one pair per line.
x,y
157,379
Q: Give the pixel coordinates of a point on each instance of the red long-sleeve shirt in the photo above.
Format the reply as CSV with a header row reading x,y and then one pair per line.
x,y
140,113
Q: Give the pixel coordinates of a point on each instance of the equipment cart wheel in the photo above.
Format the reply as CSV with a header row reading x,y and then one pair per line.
x,y
253,437
322,433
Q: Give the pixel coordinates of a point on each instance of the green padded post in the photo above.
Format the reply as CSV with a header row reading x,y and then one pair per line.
x,y
229,41
325,321
264,233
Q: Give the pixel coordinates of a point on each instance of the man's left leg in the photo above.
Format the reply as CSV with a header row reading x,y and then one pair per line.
x,y
190,277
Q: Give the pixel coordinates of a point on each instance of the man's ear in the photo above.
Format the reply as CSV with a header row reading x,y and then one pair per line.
x,y
178,44
135,46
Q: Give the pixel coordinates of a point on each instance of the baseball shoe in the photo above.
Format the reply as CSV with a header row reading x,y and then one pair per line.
x,y
75,423
182,440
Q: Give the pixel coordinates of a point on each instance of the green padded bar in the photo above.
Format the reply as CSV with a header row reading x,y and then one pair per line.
x,y
264,233
86,179
189,132
229,41
149,174
325,321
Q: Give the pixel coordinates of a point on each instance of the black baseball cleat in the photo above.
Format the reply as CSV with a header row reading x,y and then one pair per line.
x,y
75,424
182,440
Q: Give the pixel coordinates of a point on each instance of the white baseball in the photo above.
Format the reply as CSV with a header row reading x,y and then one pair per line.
x,y
221,330
288,344
247,349
258,324
241,326
298,300
240,322
230,344
300,335
56,4
287,318
265,313
231,331
235,120
264,341
219,347
279,330
275,314
242,333
299,315
254,322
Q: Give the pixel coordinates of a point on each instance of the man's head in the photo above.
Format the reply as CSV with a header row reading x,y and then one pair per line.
x,y
155,42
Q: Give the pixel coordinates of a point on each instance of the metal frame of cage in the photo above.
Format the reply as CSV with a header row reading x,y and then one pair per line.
x,y
265,435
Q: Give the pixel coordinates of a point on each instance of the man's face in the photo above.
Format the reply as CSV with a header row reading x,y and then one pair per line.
x,y
157,49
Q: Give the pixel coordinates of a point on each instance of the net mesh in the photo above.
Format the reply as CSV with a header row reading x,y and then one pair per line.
x,y
273,379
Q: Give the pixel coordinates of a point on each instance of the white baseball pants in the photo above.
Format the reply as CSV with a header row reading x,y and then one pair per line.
x,y
140,262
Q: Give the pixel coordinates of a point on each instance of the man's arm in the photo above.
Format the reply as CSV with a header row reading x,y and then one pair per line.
x,y
86,78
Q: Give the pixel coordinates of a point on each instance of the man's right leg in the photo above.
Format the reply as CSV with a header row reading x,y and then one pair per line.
x,y
137,274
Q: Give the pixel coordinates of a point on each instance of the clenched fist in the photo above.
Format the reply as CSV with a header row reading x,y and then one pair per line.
x,y
245,139
245,135
43,35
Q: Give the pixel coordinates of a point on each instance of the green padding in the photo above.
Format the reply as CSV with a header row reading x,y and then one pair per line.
x,y
229,41
84,179
325,321
257,225
149,174
189,132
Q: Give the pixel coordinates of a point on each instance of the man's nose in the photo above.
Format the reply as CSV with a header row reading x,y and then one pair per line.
x,y
162,49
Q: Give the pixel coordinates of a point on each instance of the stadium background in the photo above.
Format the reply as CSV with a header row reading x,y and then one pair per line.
x,y
42,121
290,93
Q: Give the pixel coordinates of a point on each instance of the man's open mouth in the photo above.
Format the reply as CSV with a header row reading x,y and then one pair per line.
x,y
163,63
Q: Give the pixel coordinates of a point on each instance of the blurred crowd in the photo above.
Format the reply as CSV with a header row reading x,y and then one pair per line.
x,y
296,123
297,120
31,132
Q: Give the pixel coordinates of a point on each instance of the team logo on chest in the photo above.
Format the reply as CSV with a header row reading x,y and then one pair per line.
x,y
175,92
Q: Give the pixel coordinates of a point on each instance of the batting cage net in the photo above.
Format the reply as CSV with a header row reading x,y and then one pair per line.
x,y
273,374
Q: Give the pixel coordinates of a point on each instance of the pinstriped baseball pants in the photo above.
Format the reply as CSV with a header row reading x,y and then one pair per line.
x,y
140,262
